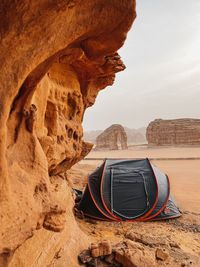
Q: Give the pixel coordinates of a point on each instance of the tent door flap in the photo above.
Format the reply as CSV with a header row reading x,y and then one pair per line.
x,y
129,196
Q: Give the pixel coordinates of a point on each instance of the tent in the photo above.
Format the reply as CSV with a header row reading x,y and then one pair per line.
x,y
121,190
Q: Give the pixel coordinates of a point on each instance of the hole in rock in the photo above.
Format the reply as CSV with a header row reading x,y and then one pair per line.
x,y
75,136
70,133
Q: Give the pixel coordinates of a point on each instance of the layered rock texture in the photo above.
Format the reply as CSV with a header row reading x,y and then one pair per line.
x,y
113,138
174,132
55,57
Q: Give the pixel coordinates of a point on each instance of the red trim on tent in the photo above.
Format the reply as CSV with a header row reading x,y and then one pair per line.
x,y
96,218
104,204
156,200
96,203
166,218
164,205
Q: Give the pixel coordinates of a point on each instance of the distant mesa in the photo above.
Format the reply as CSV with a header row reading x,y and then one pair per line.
x,y
173,132
113,138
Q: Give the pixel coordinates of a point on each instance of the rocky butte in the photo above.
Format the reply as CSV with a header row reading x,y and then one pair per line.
x,y
174,132
55,57
113,138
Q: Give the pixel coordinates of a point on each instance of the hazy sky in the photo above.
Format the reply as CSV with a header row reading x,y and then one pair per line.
x,y
162,79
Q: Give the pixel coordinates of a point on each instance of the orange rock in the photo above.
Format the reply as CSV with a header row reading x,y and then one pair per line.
x,y
161,254
131,254
101,249
55,57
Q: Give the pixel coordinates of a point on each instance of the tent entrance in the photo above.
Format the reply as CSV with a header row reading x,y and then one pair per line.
x,y
128,191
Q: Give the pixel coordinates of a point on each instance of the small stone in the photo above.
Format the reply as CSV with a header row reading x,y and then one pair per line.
x,y
93,263
109,259
94,250
101,249
85,256
106,247
174,245
161,254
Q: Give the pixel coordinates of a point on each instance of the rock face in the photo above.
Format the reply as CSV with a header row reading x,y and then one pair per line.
x,y
126,253
112,138
55,57
174,132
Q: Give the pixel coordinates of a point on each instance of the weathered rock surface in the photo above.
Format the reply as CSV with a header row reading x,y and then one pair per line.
x,y
174,132
131,254
101,249
135,251
55,57
112,138
161,254
127,254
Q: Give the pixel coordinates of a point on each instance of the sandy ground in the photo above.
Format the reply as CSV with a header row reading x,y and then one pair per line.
x,y
150,152
184,232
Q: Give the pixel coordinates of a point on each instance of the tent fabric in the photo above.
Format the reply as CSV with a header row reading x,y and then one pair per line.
x,y
170,210
121,190
163,192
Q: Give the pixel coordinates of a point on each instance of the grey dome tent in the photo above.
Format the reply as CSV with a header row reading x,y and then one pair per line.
x,y
127,190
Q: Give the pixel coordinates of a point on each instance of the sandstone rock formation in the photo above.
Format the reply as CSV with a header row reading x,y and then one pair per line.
x,y
55,57
174,132
112,138
134,136
127,254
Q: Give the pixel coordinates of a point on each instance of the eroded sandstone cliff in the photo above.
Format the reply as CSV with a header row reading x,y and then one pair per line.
x,y
174,132
55,57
